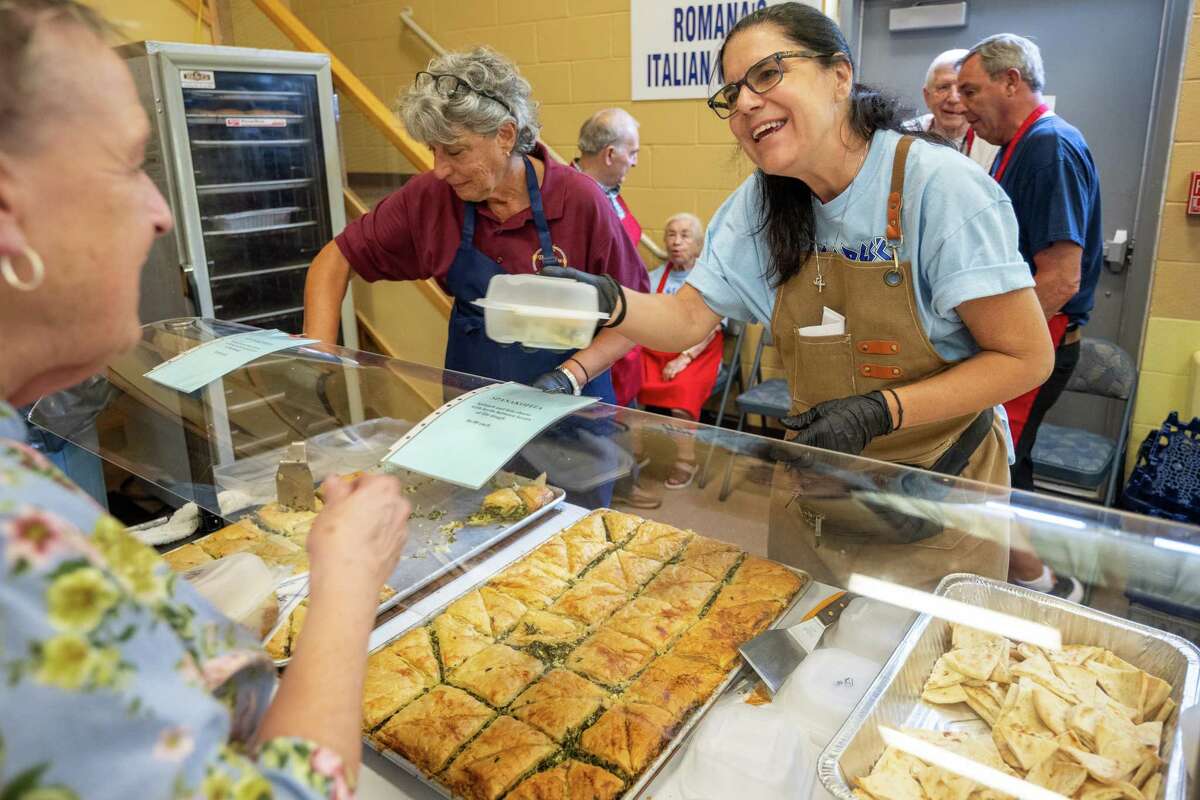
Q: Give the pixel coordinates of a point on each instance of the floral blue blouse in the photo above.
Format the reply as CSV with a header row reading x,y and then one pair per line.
x,y
116,678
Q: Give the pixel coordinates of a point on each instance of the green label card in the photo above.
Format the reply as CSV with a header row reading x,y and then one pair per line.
x,y
468,440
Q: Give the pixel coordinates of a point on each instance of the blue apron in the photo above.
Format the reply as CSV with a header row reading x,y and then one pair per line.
x,y
468,348
580,446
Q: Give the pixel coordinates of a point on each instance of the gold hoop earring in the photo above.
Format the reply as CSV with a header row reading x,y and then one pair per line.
x,y
14,280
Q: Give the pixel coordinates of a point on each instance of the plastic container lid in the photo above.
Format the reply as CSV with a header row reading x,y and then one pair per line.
x,y
870,629
540,312
749,753
822,692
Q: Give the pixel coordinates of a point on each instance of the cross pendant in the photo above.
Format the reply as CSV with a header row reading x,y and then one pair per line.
x,y
819,282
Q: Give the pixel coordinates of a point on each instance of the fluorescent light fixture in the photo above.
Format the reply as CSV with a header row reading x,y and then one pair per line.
x,y
960,765
983,619
1036,516
1179,547
924,16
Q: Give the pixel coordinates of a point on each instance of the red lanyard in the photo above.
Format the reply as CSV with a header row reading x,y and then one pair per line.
x,y
1012,146
968,141
666,274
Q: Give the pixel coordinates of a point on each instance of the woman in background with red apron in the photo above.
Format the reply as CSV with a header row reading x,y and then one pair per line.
x,y
679,383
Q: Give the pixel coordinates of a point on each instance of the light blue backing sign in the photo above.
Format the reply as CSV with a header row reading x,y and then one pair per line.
x,y
204,363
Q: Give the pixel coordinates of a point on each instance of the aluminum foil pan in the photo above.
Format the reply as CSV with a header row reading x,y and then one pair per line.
x,y
894,699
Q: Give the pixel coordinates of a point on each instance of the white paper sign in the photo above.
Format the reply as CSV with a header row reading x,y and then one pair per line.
x,y
674,44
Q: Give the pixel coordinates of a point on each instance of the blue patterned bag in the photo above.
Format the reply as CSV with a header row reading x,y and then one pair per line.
x,y
1165,481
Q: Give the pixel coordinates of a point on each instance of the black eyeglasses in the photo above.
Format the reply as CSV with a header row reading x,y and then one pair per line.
x,y
761,77
453,87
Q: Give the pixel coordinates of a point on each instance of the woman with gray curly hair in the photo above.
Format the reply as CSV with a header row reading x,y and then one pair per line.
x,y
494,204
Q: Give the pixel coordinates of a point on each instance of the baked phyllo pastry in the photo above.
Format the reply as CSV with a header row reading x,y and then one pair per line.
x,y
626,571
628,736
684,588
745,620
658,541
590,528
390,683
278,550
502,755
279,646
241,535
570,780
620,526
471,609
584,546
457,640
433,727
653,621
773,577
712,557
712,641
610,657
512,503
347,478
591,600
416,647
503,611
529,583
497,673
544,632
559,703
186,557
675,684
290,522
551,556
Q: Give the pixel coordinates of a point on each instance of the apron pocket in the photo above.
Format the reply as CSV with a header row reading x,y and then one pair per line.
x,y
824,368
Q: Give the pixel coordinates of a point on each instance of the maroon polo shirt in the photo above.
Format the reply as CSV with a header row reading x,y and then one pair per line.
x,y
414,232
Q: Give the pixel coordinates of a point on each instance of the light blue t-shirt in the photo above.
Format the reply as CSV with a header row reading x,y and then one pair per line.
x,y
675,279
960,236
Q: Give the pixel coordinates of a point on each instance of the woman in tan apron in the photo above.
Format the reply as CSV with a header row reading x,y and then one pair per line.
x,y
940,320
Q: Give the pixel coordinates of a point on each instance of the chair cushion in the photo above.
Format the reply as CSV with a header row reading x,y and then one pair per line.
x,y
1072,456
1103,369
769,398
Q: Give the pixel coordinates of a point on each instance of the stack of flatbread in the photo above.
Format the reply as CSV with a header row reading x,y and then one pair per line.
x,y
1080,721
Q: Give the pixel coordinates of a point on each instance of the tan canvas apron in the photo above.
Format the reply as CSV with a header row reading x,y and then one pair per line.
x,y
816,524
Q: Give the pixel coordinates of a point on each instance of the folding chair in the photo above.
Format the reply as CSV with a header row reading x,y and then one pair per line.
x,y
768,398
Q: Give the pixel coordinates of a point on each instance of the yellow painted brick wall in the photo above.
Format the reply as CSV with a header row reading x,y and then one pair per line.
x,y
163,20
1167,381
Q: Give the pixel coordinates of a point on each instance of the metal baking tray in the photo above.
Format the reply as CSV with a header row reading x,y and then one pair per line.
x,y
894,699
654,767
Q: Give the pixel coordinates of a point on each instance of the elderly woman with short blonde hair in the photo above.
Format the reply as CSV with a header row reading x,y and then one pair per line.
x,y
495,203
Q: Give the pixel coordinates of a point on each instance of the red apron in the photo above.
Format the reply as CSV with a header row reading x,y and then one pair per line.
x,y
691,387
627,371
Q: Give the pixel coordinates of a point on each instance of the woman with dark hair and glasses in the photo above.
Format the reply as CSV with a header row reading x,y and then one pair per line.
x,y
494,204
913,248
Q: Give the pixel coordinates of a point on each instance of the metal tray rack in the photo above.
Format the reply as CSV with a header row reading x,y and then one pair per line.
x,y
654,767
894,699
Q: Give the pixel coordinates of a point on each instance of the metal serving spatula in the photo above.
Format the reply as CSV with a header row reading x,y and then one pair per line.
x,y
294,479
775,654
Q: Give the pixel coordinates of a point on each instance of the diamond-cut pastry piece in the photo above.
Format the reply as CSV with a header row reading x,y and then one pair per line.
x,y
530,584
626,571
746,620
551,556
504,611
620,526
658,541
780,581
591,600
558,703
570,780
684,588
711,556
590,527
431,728
628,736
712,641
585,543
471,609
284,520
610,657
653,621
546,628
241,535
497,674
186,557
390,682
675,684
457,640
506,751
416,648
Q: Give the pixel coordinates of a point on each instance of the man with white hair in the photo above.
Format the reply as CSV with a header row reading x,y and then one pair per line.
x,y
946,111
1047,170
608,147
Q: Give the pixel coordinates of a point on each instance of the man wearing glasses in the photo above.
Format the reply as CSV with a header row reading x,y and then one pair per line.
x,y
946,111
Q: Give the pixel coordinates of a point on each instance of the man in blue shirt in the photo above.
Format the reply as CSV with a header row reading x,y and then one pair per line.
x,y
1047,170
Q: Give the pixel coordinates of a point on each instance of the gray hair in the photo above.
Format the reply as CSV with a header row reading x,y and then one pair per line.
x,y
950,58
1006,51
605,127
431,117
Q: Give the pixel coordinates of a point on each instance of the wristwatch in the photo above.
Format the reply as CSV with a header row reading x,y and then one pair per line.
x,y
576,389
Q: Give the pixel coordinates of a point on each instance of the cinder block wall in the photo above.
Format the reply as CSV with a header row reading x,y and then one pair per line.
x,y
1173,326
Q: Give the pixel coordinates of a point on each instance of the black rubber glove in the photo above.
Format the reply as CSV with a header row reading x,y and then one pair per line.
x,y
610,293
554,382
846,425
